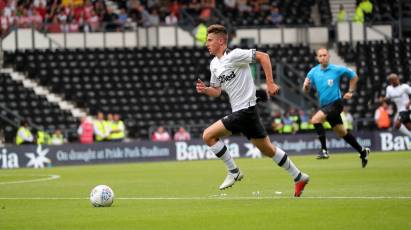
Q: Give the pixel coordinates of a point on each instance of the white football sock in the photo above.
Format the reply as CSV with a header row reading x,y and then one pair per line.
x,y
283,161
221,151
404,130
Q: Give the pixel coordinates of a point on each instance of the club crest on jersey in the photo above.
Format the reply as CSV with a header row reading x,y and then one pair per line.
x,y
330,82
224,78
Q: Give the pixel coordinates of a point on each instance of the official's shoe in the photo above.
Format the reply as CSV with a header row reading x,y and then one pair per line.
x,y
364,157
231,179
323,154
300,185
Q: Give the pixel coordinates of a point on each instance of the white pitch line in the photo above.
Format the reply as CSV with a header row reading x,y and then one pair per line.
x,y
49,177
222,198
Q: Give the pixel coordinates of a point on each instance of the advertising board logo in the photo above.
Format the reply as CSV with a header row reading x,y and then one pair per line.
x,y
38,159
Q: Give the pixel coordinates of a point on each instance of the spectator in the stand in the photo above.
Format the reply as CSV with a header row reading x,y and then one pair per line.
x,y
86,131
57,138
174,8
154,18
243,6
182,135
40,8
123,19
342,15
24,135
43,138
294,116
101,128
366,6
73,25
110,19
277,124
100,8
152,3
144,16
62,18
160,135
193,8
304,121
93,21
230,6
117,132
133,7
54,26
37,3
171,19
382,116
358,15
205,13
288,127
347,118
201,33
275,17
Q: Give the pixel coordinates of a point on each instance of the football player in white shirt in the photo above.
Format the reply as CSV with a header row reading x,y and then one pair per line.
x,y
400,95
230,71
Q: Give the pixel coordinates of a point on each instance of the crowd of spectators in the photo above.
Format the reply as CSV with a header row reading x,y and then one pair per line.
x,y
110,128
298,121
161,134
101,128
97,15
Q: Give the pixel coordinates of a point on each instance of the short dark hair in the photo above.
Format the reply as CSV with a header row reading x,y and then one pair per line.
x,y
217,29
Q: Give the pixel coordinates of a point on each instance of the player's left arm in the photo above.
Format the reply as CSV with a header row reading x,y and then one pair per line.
x,y
264,60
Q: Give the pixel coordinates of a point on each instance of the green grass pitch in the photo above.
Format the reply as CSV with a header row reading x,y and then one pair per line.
x,y
184,195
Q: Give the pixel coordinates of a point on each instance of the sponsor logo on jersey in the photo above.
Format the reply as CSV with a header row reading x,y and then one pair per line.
x,y
224,78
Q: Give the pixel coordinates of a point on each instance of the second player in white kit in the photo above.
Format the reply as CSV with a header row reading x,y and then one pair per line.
x,y
400,95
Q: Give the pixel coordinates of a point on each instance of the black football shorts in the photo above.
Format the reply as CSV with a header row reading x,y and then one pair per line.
x,y
405,116
246,121
333,112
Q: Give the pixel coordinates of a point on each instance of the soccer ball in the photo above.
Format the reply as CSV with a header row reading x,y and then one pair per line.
x,y
101,196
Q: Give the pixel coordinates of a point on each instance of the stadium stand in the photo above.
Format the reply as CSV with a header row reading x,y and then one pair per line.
x,y
147,86
26,104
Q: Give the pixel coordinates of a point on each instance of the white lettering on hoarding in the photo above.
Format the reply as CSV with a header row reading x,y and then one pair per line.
x,y
185,151
389,142
112,153
8,160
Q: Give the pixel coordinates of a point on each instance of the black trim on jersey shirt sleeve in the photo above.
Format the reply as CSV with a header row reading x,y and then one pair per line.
x,y
253,56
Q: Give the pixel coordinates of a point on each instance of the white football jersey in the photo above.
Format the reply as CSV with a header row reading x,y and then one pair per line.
x,y
232,73
399,95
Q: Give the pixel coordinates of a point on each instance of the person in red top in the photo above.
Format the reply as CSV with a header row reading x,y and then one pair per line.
x,y
160,135
382,116
86,131
182,135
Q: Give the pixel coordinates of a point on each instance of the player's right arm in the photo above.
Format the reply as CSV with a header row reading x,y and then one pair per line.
x,y
307,85
207,90
308,80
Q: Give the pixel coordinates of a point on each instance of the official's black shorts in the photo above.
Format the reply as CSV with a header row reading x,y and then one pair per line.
x,y
333,112
245,121
405,116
